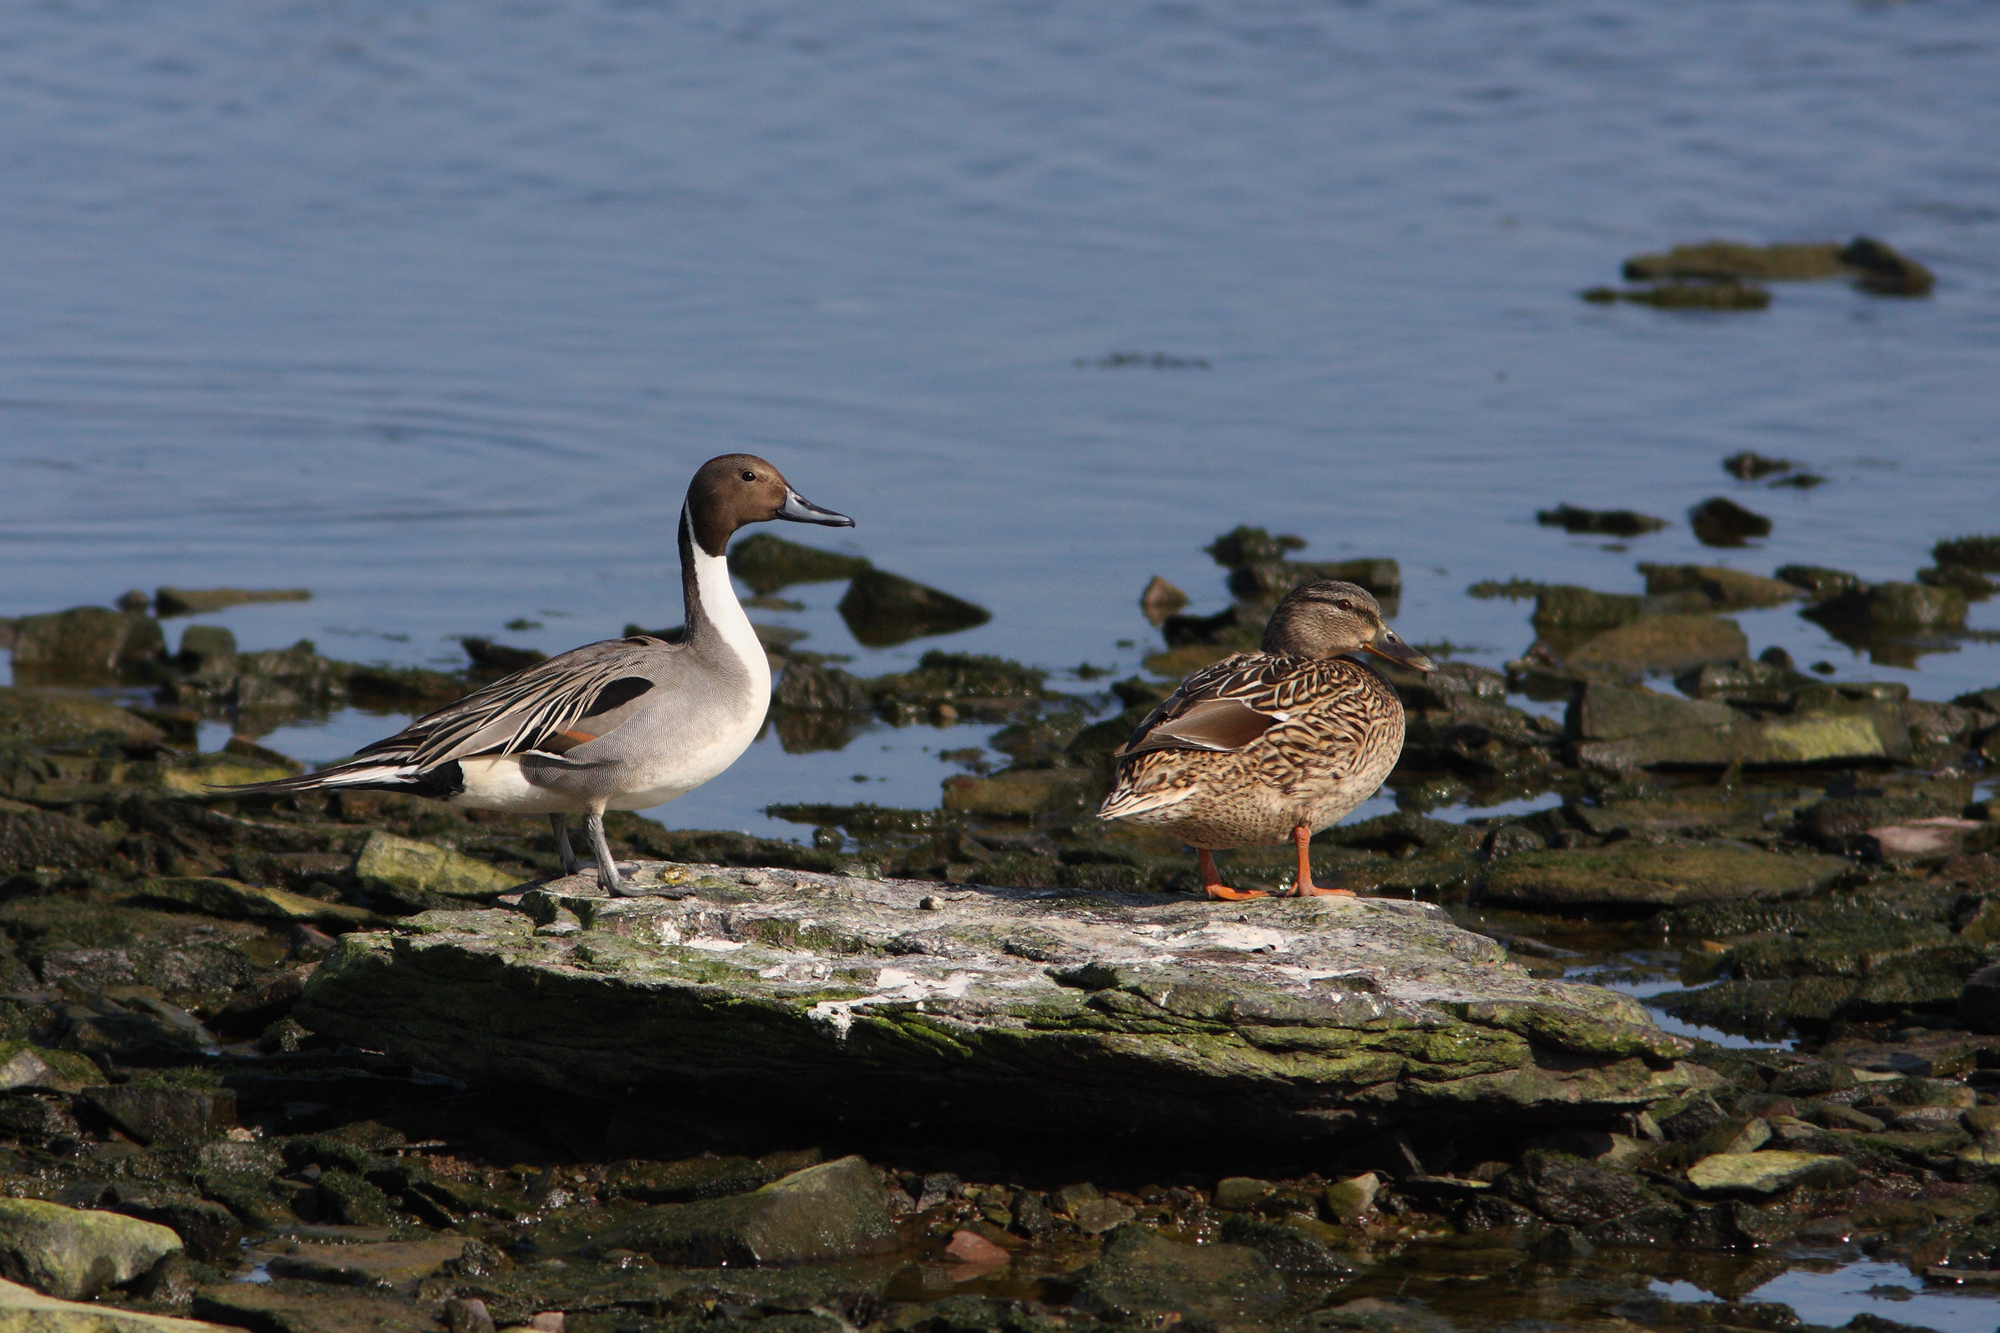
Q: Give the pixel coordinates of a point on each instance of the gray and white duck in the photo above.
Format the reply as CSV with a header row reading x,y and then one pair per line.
x,y
624,724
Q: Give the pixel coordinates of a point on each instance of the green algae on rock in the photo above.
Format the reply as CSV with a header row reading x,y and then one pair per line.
x,y
1001,1010
1638,875
74,1253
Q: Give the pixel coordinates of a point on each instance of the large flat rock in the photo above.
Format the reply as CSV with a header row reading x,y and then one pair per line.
x,y
803,997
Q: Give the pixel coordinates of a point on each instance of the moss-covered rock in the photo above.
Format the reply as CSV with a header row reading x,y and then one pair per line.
x,y
1666,643
1638,875
73,1254
1001,1010
420,874
39,717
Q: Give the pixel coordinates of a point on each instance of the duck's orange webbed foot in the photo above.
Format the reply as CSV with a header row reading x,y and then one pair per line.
x,y
1302,837
1211,882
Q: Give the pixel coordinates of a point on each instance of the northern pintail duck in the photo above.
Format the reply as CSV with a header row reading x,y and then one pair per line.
x,y
620,725
1271,745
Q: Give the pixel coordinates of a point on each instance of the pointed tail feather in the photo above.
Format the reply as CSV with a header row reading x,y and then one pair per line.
x,y
366,775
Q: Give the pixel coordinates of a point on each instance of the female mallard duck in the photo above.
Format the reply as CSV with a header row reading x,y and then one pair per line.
x,y
1275,744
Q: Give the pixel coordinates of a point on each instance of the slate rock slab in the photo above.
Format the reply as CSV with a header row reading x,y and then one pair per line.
x,y
1023,1011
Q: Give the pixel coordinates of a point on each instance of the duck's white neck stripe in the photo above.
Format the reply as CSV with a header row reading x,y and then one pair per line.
x,y
724,615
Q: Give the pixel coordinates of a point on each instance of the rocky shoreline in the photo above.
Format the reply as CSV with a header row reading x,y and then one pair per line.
x,y
364,1062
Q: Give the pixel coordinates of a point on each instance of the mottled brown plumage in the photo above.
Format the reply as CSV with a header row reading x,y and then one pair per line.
x,y
1273,745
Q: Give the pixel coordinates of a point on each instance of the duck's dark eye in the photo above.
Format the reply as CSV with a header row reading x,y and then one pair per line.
x,y
1344,604
749,475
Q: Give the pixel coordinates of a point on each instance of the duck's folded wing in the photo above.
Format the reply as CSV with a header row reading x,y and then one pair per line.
x,y
1211,724
549,708
1224,707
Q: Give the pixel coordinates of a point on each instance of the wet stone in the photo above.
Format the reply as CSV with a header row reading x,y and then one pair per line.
x,y
1892,606
86,645
36,717
72,1253
1629,874
767,563
832,1211
170,1117
1139,1274
200,601
287,1305
1766,1173
1720,521
1666,643
1608,522
1817,581
1726,589
883,609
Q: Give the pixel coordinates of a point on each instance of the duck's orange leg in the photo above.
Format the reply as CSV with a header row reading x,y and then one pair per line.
x,y
1212,882
1303,837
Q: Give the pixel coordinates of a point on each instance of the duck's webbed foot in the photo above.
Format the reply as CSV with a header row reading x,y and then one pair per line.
x,y
1211,882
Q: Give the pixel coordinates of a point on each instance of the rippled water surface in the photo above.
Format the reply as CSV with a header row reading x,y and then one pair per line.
x,y
434,307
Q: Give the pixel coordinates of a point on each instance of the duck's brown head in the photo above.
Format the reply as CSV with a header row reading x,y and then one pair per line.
x,y
1332,619
736,489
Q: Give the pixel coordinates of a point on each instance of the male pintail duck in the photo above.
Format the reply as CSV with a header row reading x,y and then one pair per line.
x,y
620,725
1275,744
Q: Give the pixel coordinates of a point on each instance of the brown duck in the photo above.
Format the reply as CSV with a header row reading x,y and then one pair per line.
x,y
1275,744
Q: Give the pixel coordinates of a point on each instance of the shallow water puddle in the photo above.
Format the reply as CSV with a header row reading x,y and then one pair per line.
x,y
1834,1296
1644,991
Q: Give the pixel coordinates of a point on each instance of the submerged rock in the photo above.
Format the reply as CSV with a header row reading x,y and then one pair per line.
x,y
1719,521
1980,553
1609,522
1160,600
1725,589
883,609
1004,1011
1752,466
768,563
1724,260
1268,580
1875,266
200,601
1662,643
73,1253
1685,296
1817,581
86,645
1887,607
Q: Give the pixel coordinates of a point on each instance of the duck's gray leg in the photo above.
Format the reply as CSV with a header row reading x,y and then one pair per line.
x,y
560,823
607,869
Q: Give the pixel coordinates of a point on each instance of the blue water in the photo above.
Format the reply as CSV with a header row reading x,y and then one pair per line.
x,y
434,307
1835,1295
